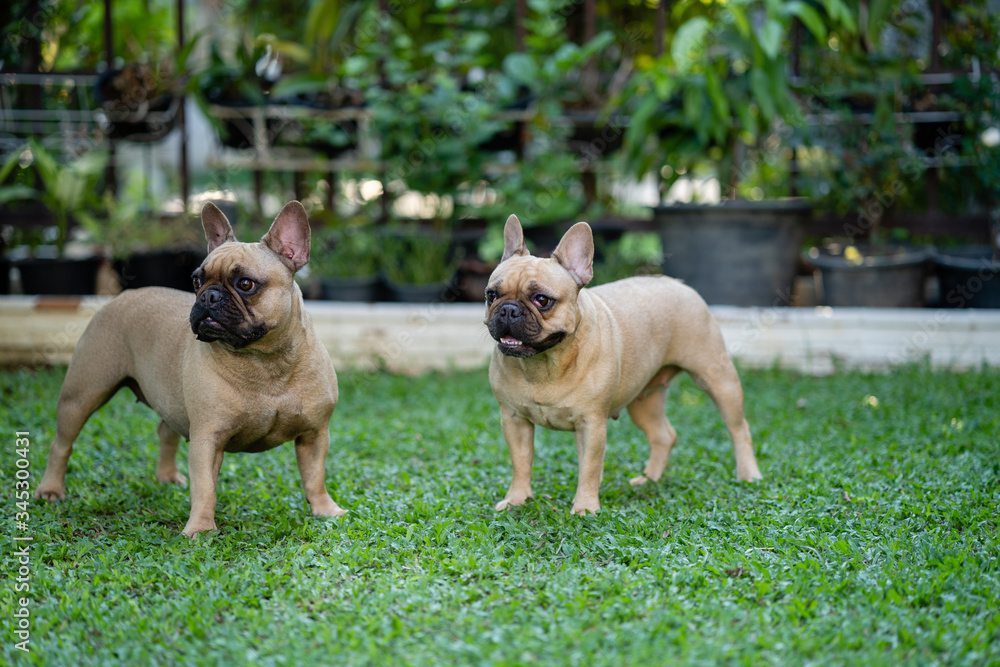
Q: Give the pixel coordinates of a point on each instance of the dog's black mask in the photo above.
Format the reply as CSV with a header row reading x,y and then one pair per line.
x,y
217,316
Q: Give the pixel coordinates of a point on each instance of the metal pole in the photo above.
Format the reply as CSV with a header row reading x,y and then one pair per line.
x,y
109,60
181,115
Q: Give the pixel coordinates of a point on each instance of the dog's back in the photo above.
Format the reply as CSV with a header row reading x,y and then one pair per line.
x,y
662,314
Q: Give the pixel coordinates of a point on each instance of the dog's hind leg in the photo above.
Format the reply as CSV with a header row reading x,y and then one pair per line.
x,y
82,394
722,384
166,467
648,413
99,368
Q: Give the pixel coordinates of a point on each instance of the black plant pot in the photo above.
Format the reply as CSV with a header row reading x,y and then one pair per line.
x,y
160,269
59,276
473,278
592,138
969,277
894,279
738,253
5,265
359,288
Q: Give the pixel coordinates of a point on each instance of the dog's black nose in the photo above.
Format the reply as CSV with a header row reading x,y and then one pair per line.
x,y
509,312
211,296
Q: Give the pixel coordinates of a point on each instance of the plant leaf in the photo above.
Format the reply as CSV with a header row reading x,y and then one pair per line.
x,y
9,193
689,42
760,88
810,18
771,38
841,13
521,67
300,83
720,105
12,161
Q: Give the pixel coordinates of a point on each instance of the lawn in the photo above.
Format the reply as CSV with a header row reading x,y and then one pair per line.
x,y
872,540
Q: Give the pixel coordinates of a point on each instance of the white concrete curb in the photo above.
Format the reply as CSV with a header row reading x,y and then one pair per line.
x,y
413,338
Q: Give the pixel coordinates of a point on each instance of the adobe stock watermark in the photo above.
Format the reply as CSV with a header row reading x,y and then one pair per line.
x,y
21,555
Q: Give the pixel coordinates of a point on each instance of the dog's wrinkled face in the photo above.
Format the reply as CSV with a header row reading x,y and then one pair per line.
x,y
531,303
245,290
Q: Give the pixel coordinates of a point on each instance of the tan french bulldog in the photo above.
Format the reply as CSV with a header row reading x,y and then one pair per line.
x,y
236,367
567,358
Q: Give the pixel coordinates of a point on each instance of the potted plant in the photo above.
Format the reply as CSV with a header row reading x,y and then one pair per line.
x,y
969,275
870,170
346,266
546,193
867,171
419,265
718,104
147,248
233,83
565,83
137,102
66,190
312,78
11,193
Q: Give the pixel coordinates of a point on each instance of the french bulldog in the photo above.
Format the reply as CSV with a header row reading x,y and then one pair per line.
x,y
568,358
235,367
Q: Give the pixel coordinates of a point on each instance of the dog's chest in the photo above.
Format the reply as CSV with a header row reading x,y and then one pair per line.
x,y
547,415
275,423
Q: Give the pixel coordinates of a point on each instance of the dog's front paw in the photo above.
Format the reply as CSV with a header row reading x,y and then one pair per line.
x,y
638,481
509,502
326,507
585,507
516,495
194,527
174,477
748,473
50,493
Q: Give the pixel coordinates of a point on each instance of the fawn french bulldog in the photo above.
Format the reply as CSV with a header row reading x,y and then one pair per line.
x,y
568,358
236,367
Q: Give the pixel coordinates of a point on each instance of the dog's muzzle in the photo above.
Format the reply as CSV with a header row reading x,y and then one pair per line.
x,y
509,325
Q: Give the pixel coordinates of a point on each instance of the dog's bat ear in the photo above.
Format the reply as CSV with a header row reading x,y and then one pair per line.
x,y
217,227
513,239
575,253
289,236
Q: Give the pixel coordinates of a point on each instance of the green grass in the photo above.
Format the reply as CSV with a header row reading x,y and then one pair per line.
x,y
872,541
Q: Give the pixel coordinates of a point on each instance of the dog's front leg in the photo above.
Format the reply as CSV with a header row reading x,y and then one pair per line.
x,y
204,463
591,440
310,453
520,436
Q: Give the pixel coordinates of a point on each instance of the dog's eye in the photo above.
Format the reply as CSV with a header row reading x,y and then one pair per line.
x,y
491,295
196,281
245,284
541,301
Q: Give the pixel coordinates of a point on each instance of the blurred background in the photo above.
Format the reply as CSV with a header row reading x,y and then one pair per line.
x,y
770,153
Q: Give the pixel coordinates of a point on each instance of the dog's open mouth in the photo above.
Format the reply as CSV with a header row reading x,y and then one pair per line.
x,y
513,347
